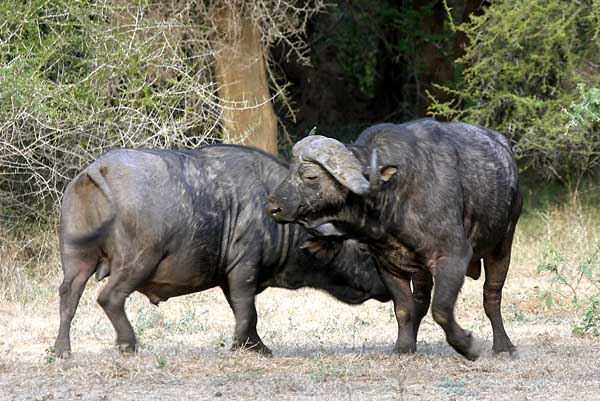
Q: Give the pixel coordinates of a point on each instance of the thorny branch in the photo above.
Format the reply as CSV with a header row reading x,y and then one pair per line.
x,y
117,73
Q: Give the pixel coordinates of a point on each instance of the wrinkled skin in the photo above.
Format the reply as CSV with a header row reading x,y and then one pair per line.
x,y
169,223
434,199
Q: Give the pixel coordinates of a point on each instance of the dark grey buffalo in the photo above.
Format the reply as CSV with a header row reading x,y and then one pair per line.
x,y
429,199
168,223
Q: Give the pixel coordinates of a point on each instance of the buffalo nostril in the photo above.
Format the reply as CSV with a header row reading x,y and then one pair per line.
x,y
272,207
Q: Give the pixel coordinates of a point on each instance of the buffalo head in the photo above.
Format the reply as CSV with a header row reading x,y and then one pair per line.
x,y
345,269
324,174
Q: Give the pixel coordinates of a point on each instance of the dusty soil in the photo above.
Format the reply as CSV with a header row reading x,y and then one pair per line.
x,y
323,350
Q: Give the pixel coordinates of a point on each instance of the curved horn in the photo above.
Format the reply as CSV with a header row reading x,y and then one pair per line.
x,y
374,178
336,158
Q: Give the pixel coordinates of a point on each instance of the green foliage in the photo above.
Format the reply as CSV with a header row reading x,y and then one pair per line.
x,y
521,72
369,32
586,112
409,32
568,284
161,361
75,57
356,38
590,322
49,356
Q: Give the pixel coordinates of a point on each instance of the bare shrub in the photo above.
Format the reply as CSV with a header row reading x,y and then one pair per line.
x,y
92,79
77,79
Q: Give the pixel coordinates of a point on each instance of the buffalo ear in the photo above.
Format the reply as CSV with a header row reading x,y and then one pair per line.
x,y
387,172
320,248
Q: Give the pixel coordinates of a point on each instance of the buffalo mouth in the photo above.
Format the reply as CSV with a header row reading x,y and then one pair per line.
x,y
279,214
282,219
324,226
327,230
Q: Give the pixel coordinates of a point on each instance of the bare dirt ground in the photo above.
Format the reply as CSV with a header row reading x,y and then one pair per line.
x,y
323,350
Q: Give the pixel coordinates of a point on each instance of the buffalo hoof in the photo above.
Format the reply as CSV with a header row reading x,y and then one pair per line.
x,y
264,351
473,351
466,346
501,346
127,348
63,354
405,344
513,354
259,348
60,351
405,349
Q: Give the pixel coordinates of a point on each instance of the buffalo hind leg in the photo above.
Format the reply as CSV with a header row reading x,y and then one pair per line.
x,y
404,308
422,285
125,279
77,269
496,268
240,292
449,277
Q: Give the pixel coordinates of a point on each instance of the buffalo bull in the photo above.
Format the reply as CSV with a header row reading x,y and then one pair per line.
x,y
429,199
169,223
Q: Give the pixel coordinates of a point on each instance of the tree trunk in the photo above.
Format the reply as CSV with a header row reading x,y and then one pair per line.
x,y
241,71
435,65
471,7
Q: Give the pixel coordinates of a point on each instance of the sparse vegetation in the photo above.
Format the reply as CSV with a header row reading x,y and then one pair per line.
x,y
577,284
161,361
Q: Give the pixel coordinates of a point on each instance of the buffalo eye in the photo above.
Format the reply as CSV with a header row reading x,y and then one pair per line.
x,y
309,178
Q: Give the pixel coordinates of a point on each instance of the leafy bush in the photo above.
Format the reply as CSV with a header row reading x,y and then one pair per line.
x,y
520,75
578,285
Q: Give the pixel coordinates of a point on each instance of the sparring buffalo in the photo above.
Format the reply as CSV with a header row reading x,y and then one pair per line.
x,y
429,199
168,223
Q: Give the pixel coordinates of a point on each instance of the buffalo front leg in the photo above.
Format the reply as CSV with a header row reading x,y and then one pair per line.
x,y
77,270
404,308
496,268
240,292
449,277
422,284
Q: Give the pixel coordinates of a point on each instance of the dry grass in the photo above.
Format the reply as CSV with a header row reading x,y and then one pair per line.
x,y
324,350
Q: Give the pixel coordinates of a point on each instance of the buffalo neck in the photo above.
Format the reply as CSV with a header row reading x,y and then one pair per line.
x,y
359,219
